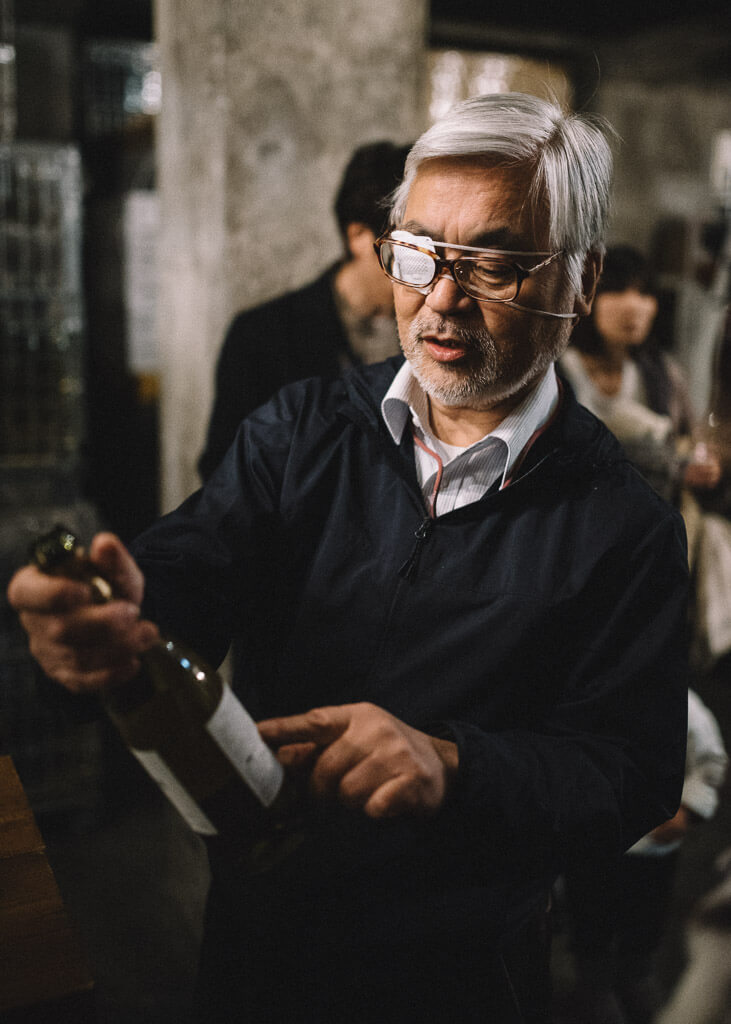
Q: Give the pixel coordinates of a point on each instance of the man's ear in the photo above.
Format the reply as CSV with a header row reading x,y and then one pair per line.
x,y
589,279
360,240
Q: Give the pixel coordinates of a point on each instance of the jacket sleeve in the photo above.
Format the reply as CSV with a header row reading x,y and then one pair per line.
x,y
207,563
706,759
605,763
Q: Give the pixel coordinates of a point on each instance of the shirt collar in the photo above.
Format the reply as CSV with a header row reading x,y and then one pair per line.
x,y
406,401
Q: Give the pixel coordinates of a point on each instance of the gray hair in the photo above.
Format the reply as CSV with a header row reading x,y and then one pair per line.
x,y
570,155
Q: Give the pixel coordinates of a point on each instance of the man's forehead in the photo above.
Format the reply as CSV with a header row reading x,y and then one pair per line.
x,y
476,166
485,201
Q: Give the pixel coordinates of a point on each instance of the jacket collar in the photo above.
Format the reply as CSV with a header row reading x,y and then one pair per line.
x,y
578,441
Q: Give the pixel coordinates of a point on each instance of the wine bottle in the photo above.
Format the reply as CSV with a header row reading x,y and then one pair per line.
x,y
194,738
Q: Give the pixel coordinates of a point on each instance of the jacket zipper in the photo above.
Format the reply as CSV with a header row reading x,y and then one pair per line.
x,y
407,570
421,533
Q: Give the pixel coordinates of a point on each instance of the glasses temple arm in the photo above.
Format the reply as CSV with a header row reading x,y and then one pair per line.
x,y
542,312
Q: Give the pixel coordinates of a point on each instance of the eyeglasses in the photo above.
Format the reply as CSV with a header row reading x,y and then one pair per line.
x,y
488,277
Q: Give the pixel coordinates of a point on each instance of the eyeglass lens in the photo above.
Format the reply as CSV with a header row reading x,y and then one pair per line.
x,y
481,278
407,265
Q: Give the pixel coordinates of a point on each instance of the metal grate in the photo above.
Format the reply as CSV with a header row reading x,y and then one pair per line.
x,y
41,336
8,85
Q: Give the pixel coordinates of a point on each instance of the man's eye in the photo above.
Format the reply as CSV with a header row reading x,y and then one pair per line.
x,y
489,272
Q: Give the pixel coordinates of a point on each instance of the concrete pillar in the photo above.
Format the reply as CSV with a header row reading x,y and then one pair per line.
x,y
263,102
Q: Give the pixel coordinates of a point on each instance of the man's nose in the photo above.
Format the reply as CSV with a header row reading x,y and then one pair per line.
x,y
446,294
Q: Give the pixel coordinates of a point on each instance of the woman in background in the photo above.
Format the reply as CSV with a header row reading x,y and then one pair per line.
x,y
621,373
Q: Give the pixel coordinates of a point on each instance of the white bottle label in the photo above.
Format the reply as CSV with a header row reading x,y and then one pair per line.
x,y
235,732
178,796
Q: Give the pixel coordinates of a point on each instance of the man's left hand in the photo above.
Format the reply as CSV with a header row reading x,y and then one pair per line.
x,y
366,758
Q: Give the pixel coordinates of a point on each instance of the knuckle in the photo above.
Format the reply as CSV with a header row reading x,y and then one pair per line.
x,y
13,592
381,806
26,620
420,773
54,629
319,718
69,679
365,707
349,791
40,656
117,631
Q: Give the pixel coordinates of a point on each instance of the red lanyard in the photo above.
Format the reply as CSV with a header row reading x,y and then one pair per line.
x,y
516,465
535,435
437,479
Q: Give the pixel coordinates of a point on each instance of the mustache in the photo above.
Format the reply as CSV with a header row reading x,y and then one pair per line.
x,y
476,336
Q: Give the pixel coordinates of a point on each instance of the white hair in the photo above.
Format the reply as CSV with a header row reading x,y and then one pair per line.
x,y
569,154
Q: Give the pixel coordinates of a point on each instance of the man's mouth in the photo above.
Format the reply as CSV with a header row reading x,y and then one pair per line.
x,y
444,349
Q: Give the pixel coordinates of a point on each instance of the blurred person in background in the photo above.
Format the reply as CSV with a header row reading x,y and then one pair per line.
x,y
343,318
619,370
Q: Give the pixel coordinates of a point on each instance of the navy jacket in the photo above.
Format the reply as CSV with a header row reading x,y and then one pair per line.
x,y
542,628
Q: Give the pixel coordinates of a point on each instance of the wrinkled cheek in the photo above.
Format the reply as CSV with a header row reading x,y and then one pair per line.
x,y
407,301
404,333
405,322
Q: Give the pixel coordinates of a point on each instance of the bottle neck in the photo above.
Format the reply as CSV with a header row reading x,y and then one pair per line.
x,y
168,666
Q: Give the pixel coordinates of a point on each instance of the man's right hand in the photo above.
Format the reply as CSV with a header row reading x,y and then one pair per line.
x,y
83,645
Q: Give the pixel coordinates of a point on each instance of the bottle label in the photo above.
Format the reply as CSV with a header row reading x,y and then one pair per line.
x,y
178,796
235,731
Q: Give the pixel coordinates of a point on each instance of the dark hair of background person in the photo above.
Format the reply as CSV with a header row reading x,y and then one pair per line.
x,y
371,175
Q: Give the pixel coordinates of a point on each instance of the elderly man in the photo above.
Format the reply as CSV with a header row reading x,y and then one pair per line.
x,y
454,595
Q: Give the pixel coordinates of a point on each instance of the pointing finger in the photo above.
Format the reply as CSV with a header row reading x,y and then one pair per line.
x,y
320,726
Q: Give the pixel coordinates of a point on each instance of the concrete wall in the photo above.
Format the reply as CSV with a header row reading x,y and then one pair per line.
x,y
664,157
665,93
264,100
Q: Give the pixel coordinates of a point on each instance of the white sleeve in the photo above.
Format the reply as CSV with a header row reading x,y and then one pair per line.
x,y
706,759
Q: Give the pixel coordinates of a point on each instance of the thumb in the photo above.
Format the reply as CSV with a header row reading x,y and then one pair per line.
x,y
118,567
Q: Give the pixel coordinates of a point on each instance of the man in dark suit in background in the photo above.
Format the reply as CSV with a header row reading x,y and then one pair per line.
x,y
342,318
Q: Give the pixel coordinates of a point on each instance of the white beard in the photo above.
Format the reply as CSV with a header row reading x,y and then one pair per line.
x,y
492,376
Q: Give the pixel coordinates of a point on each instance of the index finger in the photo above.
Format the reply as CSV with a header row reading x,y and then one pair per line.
x,y
34,591
320,726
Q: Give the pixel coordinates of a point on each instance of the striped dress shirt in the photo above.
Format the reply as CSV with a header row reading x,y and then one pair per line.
x,y
451,476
